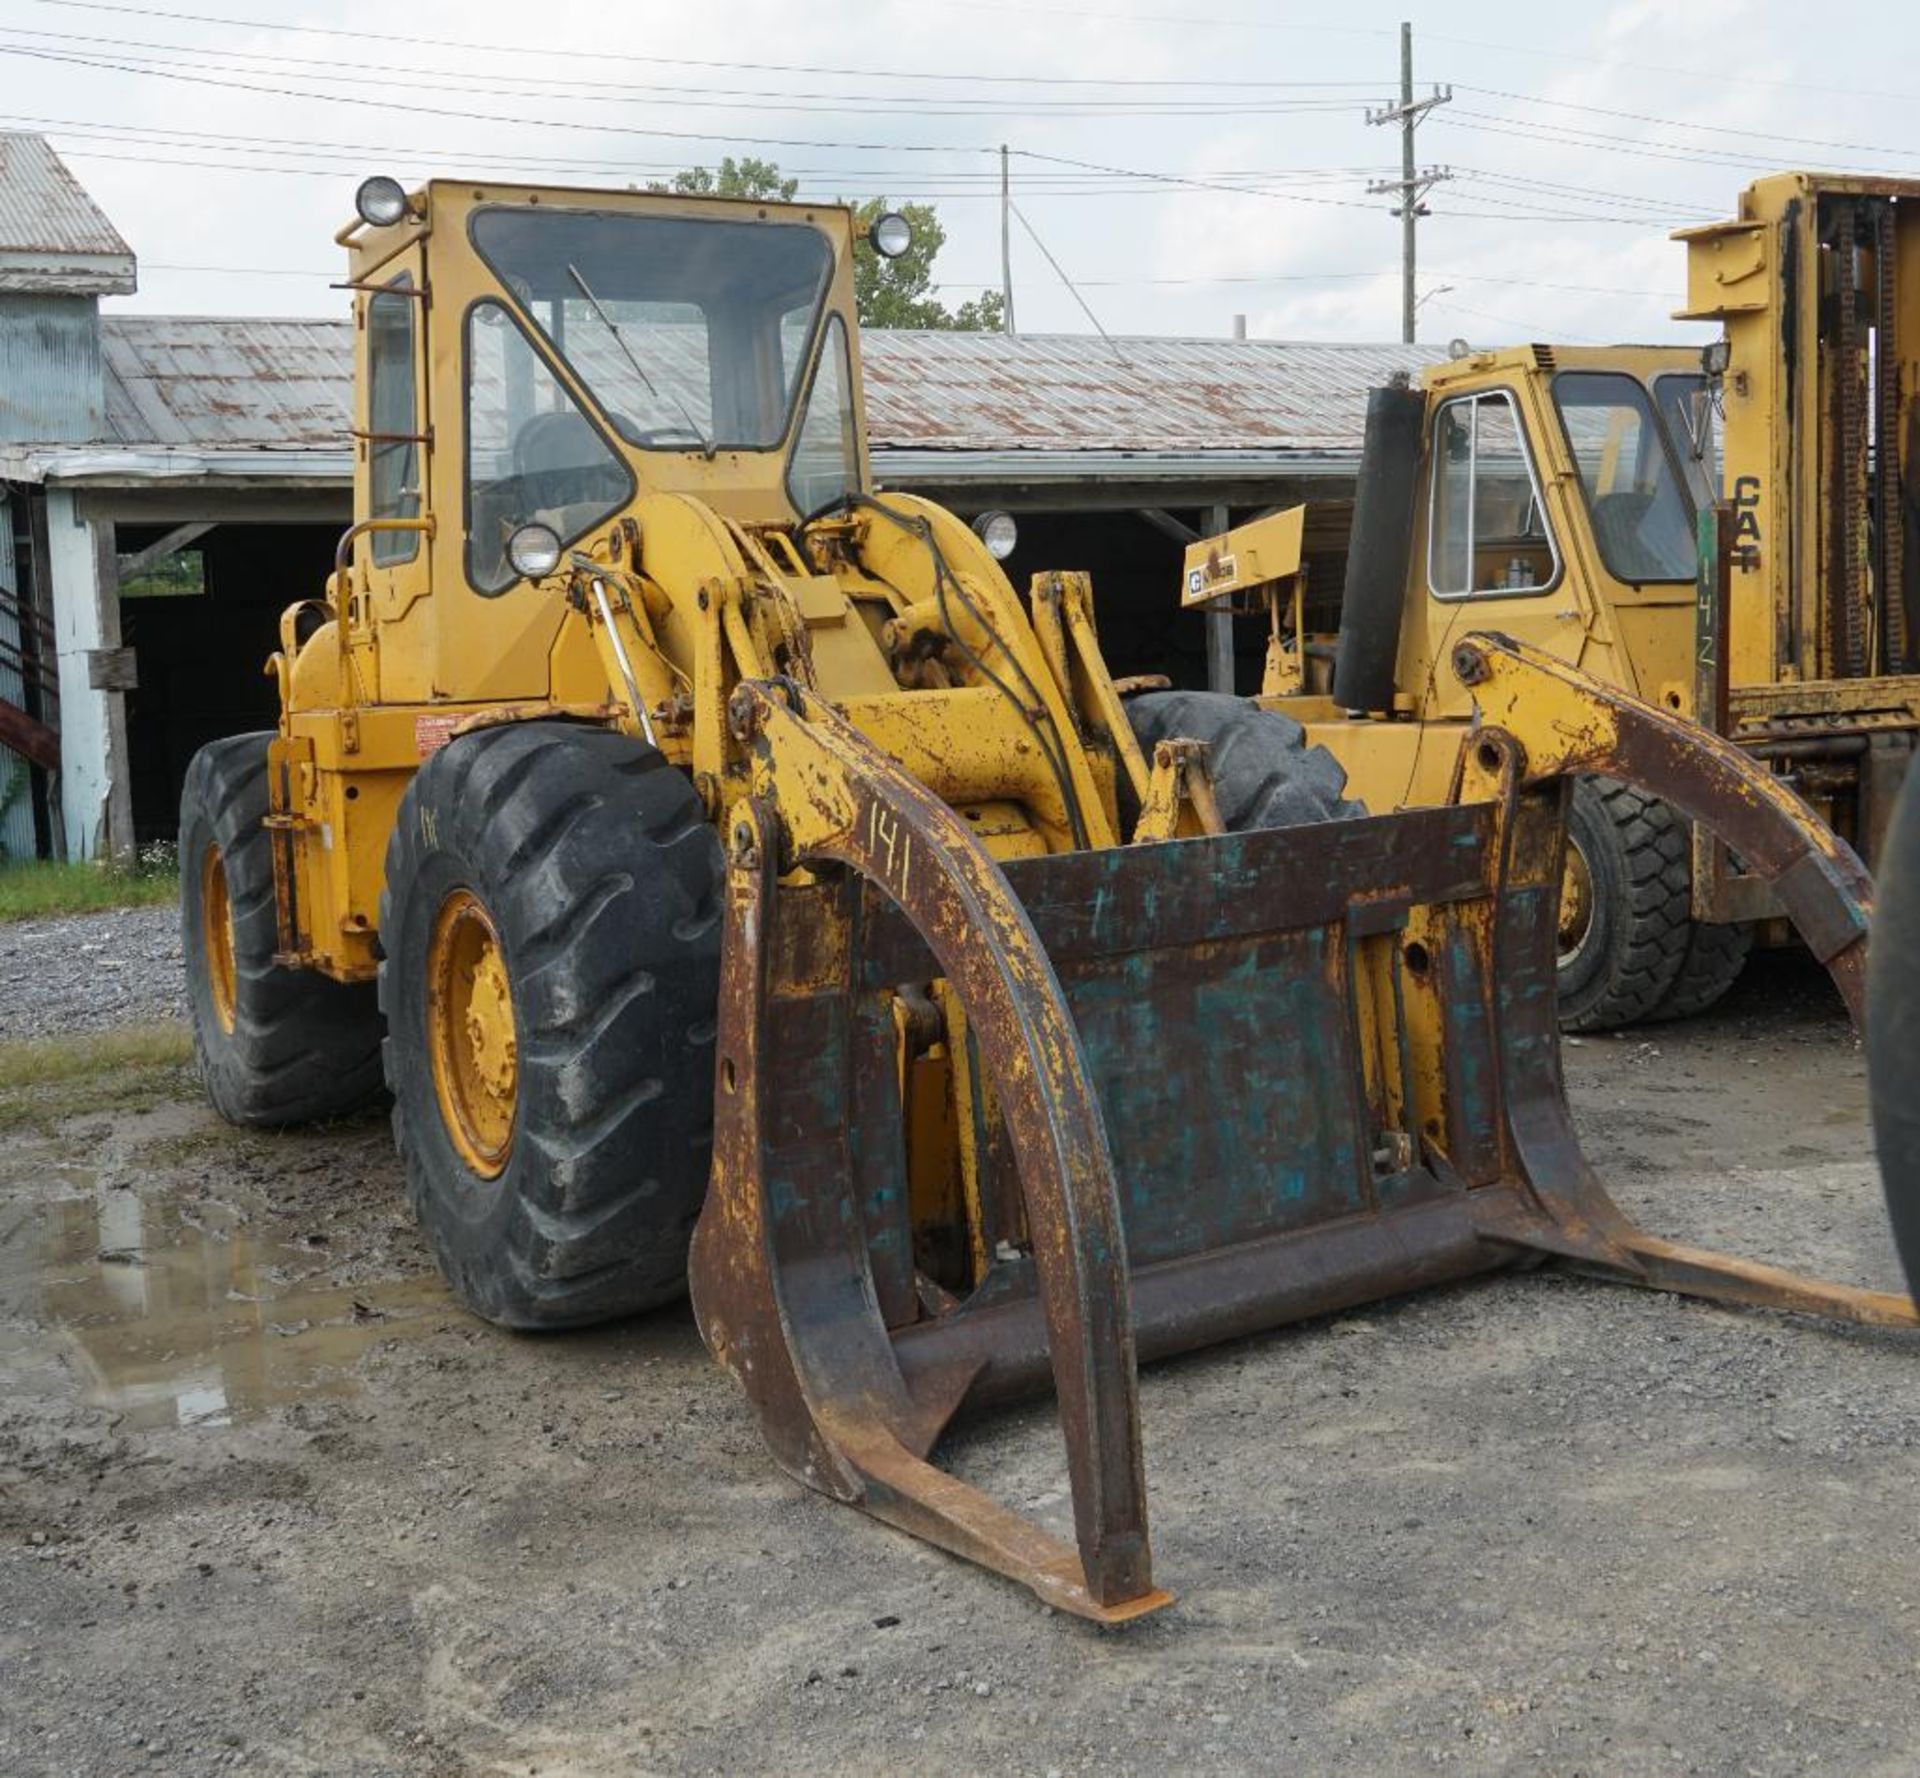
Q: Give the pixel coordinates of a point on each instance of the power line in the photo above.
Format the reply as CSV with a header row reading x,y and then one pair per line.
x,y
1531,130
368,74
1678,123
1208,82
1715,76
359,154
1385,271
548,123
902,194
1527,328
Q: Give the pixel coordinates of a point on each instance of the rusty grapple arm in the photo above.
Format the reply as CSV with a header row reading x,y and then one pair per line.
x,y
1207,1086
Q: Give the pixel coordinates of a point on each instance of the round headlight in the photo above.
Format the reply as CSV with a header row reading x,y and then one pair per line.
x,y
998,532
380,202
534,551
891,234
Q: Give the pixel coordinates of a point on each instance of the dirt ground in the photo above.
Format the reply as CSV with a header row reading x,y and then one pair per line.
x,y
268,1503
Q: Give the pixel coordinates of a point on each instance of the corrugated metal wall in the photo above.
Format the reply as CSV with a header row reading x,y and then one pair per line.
x,y
16,776
50,384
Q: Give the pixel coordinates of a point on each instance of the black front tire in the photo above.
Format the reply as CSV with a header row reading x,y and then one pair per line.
x,y
276,1046
602,878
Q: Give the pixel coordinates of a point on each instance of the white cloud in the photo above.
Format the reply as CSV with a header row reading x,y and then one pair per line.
x,y
1503,234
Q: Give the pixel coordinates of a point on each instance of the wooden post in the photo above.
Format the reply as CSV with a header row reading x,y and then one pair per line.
x,y
1220,675
117,839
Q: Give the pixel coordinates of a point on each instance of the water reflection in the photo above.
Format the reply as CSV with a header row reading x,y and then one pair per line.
x,y
195,1316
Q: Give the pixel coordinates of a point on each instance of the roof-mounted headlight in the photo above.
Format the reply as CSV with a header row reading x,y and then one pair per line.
x,y
381,202
1715,357
891,234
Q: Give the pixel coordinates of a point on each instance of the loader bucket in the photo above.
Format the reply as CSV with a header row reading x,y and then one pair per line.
x,y
1218,1084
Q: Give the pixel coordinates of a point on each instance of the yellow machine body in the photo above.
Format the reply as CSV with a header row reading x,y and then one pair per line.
x,y
699,585
1019,1068
1804,424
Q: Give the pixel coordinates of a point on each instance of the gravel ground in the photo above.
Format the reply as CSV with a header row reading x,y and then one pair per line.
x,y
268,1503
87,972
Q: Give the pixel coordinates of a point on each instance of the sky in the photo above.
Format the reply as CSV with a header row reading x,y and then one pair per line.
x,y
1183,161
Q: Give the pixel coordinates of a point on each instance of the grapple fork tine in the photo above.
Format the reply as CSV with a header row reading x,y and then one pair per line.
x,y
781,1281
1819,881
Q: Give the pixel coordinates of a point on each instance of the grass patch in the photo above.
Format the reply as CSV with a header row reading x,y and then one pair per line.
x,y
33,891
130,1069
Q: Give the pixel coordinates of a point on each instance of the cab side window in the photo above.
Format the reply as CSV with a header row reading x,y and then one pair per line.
x,y
393,417
1487,529
826,460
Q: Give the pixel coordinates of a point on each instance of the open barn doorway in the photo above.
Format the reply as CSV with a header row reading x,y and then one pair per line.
x,y
200,609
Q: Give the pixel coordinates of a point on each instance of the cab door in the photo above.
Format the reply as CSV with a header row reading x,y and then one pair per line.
x,y
392,442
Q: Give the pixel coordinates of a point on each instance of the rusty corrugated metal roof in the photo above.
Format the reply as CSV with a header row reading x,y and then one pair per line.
x,y
217,381
1076,392
214,383
53,237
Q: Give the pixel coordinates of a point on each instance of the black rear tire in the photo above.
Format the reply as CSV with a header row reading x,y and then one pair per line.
x,y
276,1046
1627,954
1715,956
1264,773
601,877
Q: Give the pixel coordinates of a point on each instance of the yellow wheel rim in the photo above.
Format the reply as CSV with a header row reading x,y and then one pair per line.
x,y
1576,901
216,937
470,1033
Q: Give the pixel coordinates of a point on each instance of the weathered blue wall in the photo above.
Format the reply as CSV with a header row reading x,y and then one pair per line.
x,y
50,382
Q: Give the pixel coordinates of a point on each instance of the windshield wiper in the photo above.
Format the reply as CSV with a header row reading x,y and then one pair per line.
x,y
639,370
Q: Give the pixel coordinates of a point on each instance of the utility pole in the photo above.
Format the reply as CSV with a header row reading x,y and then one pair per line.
x,y
1413,185
1006,245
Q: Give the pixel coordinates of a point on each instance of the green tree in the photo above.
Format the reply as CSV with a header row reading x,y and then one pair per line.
x,y
743,178
899,292
888,292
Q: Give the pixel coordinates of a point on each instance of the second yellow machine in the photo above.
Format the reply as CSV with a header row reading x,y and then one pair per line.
x,y
733,880
1550,492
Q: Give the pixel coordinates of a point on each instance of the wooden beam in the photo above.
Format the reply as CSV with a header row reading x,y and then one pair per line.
x,y
1162,520
133,566
29,737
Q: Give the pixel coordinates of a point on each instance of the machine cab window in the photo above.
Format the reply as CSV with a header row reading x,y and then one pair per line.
x,y
1642,519
1486,531
690,333
532,455
393,422
826,462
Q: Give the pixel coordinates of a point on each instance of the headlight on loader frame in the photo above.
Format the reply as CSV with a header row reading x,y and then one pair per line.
x,y
533,551
998,532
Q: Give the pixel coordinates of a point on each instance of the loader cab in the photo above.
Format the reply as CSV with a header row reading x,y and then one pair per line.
x,y
1556,504
539,357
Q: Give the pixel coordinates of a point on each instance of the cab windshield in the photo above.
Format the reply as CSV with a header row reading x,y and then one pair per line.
x,y
1642,518
691,333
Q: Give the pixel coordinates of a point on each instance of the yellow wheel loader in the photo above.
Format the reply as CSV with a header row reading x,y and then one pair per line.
x,y
742,886
1550,492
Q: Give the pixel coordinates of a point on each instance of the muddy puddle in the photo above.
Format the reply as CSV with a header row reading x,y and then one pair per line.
x,y
197,1316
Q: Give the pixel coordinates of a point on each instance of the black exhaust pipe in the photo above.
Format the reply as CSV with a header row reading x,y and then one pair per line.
x,y
1373,599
